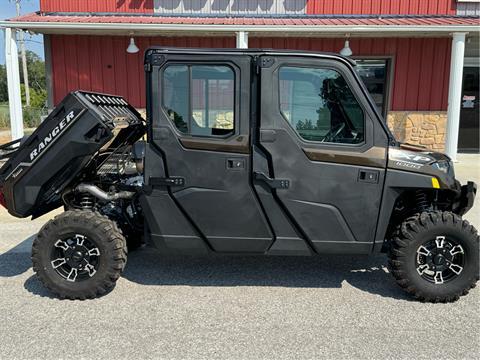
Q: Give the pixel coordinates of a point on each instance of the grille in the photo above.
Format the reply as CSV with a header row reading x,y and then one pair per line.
x,y
111,107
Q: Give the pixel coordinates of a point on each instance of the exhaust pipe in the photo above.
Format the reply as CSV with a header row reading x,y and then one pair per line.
x,y
102,195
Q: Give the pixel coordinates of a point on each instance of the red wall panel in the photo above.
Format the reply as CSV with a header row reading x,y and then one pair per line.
x,y
140,6
384,7
101,63
420,65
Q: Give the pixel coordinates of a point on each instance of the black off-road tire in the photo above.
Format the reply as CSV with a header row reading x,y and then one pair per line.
x,y
134,240
416,231
108,239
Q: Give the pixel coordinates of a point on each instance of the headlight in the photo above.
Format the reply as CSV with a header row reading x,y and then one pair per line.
x,y
444,166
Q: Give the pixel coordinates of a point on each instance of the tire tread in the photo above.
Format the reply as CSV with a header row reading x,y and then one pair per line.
x,y
109,232
404,236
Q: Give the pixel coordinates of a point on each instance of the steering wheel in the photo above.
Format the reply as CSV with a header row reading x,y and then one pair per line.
x,y
334,132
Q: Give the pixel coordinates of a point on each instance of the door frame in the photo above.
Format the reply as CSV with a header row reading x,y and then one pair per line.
x,y
469,62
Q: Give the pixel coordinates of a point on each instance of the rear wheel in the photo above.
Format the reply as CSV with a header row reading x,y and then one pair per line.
x,y
434,256
79,254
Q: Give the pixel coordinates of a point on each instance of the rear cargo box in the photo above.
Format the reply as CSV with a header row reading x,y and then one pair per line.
x,y
33,178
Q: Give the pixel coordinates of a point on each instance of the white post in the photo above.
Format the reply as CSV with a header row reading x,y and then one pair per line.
x,y
13,81
242,40
455,94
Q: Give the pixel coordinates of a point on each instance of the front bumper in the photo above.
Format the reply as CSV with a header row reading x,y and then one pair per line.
x,y
467,198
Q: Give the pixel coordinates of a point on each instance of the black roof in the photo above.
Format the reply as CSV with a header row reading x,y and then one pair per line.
x,y
249,51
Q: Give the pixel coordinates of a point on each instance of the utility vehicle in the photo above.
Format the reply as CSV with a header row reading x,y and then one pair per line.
x,y
242,152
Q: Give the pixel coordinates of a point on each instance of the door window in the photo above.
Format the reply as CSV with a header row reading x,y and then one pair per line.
x,y
200,99
320,106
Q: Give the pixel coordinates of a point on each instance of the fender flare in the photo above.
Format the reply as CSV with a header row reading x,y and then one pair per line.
x,y
396,183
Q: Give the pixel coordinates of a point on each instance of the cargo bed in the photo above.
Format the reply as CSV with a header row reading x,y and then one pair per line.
x,y
39,168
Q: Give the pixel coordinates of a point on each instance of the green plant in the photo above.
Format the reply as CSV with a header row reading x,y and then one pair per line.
x,y
38,97
38,93
31,116
36,75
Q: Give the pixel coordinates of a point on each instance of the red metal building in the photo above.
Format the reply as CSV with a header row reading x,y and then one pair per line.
x,y
410,53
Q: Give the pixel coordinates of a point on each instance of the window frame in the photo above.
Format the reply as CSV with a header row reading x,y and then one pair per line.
x,y
189,65
312,142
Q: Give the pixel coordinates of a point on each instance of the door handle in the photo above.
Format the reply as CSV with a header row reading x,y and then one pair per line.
x,y
272,183
235,164
368,176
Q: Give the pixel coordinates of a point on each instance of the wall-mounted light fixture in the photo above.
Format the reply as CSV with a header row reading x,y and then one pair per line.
x,y
132,48
346,51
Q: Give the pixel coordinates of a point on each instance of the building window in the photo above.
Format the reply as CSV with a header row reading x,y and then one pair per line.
x,y
373,72
200,99
320,106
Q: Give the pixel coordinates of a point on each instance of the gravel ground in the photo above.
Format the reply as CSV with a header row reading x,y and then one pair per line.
x,y
232,308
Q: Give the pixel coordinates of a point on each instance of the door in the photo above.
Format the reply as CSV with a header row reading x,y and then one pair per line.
x,y
325,141
468,137
200,107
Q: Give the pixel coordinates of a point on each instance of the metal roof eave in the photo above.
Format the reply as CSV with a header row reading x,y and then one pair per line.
x,y
139,28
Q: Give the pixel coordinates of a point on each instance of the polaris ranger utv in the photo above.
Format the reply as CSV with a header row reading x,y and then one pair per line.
x,y
245,152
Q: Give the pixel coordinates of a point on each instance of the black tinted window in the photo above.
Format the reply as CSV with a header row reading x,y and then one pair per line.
x,y
200,99
320,106
373,72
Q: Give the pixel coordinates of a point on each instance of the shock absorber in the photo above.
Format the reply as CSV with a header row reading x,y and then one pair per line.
x,y
421,200
87,201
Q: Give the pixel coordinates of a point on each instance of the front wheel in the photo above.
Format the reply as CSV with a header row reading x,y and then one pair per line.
x,y
434,256
79,254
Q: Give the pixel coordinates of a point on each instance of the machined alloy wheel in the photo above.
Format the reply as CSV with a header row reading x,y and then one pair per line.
x,y
75,258
440,260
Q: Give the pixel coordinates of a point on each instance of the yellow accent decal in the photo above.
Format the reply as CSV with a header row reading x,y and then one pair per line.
x,y
435,183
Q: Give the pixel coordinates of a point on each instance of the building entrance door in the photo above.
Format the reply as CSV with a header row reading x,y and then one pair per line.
x,y
468,138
